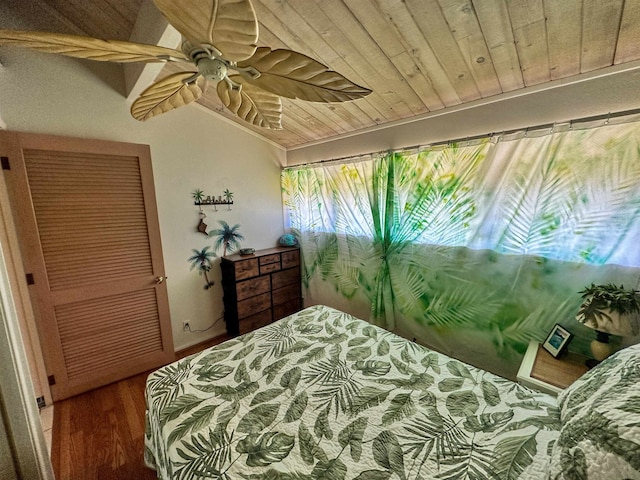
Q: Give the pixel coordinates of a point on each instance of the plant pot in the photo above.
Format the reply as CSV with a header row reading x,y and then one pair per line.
x,y
612,322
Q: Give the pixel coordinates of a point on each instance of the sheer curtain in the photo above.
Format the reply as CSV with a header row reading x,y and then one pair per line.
x,y
489,239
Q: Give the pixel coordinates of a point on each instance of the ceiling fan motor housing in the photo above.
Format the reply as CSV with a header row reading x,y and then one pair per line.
x,y
212,68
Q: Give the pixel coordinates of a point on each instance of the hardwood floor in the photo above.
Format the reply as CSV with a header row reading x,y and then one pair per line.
x,y
100,434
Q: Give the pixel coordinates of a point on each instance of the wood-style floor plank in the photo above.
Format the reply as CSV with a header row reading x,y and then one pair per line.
x,y
99,435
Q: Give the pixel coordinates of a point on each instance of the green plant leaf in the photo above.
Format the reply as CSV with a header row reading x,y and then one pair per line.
x,y
321,426
472,462
401,366
490,393
258,418
357,341
215,356
242,375
352,436
383,348
272,474
309,448
366,398
314,354
256,363
450,384
265,449
401,406
514,455
229,412
291,378
370,332
372,368
631,405
266,395
311,329
229,393
194,422
388,454
458,369
358,353
487,422
272,370
179,406
462,403
297,408
244,351
374,475
204,453
331,469
430,361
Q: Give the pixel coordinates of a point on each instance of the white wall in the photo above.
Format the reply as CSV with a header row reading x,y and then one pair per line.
x,y
190,149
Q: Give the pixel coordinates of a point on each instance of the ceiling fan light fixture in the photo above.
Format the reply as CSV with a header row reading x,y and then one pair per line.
x,y
213,69
220,38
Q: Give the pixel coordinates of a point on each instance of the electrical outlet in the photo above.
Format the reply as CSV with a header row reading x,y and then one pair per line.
x,y
186,326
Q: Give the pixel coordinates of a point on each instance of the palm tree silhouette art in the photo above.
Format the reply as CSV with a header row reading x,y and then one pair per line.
x,y
227,236
201,259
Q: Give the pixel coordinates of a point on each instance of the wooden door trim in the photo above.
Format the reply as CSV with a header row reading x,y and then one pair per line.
x,y
33,264
29,236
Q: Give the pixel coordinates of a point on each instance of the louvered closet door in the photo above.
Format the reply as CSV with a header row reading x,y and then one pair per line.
x,y
92,243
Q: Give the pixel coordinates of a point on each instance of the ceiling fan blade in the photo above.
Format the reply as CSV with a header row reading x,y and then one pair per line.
x,y
294,75
228,25
168,94
89,48
251,104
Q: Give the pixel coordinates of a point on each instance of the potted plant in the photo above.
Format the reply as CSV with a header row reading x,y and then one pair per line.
x,y
609,309
604,305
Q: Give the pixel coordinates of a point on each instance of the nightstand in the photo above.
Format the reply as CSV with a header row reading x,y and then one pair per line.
x,y
540,371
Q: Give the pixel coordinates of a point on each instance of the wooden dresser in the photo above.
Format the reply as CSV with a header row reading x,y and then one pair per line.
x,y
260,288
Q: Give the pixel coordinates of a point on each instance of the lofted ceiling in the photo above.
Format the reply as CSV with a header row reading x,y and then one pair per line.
x,y
417,56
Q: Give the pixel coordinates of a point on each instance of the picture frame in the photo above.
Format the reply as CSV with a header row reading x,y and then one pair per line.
x,y
557,340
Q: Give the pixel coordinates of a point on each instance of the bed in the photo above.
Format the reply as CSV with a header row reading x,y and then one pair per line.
x,y
323,395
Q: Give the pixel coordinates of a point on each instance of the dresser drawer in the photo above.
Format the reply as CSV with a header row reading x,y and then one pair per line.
x,y
258,320
284,309
254,305
266,259
252,287
284,294
285,277
246,268
291,259
269,267
259,286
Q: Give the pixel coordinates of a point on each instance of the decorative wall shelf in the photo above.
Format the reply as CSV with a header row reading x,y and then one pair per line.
x,y
214,202
200,199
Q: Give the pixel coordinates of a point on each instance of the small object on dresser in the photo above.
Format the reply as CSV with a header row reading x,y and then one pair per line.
x,y
247,251
288,240
557,340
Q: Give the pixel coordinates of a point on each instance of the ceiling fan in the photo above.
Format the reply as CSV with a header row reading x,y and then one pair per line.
x,y
219,39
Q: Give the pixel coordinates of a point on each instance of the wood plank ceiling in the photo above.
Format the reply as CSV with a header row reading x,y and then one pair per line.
x,y
416,55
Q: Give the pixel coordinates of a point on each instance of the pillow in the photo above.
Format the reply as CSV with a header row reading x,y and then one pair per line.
x,y
600,422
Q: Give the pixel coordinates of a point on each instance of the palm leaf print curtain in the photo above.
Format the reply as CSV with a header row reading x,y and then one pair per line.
x,y
483,245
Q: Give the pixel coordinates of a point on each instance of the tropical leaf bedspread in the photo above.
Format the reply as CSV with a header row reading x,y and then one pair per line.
x,y
323,395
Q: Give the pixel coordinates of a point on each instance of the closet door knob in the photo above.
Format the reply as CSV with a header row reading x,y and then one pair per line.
x,y
160,280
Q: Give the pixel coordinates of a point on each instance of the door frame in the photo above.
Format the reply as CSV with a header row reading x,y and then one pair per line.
x,y
13,145
18,408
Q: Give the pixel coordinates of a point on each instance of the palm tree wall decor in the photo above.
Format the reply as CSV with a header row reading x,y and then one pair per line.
x,y
201,259
227,237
